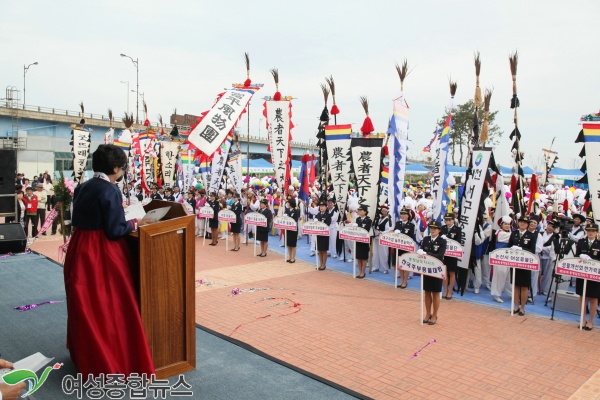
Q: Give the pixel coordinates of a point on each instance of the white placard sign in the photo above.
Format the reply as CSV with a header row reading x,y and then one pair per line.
x,y
315,228
227,216
255,218
513,258
584,269
206,212
286,223
425,264
355,233
397,241
453,249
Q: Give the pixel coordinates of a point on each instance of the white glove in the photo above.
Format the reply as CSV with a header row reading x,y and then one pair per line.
x,y
354,224
585,257
516,248
397,231
444,237
420,252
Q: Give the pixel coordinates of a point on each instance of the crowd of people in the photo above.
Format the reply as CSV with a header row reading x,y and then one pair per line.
x,y
35,197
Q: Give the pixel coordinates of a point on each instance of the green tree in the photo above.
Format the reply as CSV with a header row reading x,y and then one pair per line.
x,y
462,130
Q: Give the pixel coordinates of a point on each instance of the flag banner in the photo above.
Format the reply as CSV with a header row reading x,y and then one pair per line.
x,y
278,126
398,154
384,179
471,199
168,161
218,165
234,170
124,141
218,122
366,162
591,139
109,136
337,141
502,208
436,132
514,258
80,142
426,265
303,190
204,162
439,185
549,157
147,171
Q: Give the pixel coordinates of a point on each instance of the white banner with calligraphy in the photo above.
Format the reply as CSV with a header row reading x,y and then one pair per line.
x,y
285,223
355,233
453,249
278,121
168,161
109,136
337,140
234,170
397,241
578,268
425,265
366,161
218,122
315,228
80,140
227,216
514,258
398,149
255,218
218,165
470,201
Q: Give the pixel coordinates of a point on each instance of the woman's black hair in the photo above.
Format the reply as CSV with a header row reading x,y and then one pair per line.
x,y
107,157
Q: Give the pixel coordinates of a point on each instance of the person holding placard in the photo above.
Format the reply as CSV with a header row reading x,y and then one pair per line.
x,y
213,223
381,253
435,246
362,249
588,248
236,226
450,231
406,227
292,211
522,239
262,232
323,241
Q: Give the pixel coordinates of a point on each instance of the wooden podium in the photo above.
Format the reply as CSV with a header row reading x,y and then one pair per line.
x,y
165,252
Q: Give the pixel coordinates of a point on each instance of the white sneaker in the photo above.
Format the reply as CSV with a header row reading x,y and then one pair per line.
x,y
476,291
335,256
312,253
350,260
385,272
282,245
498,299
375,270
487,287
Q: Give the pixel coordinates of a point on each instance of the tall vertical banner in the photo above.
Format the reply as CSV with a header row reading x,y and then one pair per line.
x,y
218,165
234,170
384,188
168,160
278,120
204,162
469,207
80,142
502,208
590,136
222,117
440,174
337,141
109,136
147,155
366,161
398,154
549,157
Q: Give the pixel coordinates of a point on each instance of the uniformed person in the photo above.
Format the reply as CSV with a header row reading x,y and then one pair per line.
x,y
522,239
236,226
381,253
406,227
588,248
435,246
292,211
450,231
362,249
323,241
169,195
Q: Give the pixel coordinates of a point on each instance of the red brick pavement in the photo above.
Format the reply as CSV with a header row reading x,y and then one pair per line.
x,y
362,334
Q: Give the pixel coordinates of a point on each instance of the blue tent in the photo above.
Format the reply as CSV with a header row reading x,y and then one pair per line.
x,y
567,173
506,171
453,169
417,169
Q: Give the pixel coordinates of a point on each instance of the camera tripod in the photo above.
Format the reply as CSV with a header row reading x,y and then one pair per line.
x,y
565,248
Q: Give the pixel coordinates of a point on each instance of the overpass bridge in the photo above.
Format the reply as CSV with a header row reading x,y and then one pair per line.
x,y
42,135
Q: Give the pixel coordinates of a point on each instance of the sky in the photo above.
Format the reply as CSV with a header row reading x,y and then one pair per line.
x,y
189,51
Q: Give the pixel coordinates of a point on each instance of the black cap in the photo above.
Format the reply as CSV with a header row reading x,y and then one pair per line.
x,y
292,202
322,203
434,224
524,218
581,217
591,227
449,216
364,207
168,189
534,218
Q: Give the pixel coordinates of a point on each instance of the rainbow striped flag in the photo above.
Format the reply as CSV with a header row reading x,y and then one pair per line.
x,y
591,132
385,174
123,145
338,132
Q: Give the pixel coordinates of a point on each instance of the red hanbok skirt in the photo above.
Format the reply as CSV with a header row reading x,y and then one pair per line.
x,y
104,328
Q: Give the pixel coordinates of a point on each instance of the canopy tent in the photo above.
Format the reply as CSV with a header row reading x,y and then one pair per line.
x,y
257,166
416,169
564,173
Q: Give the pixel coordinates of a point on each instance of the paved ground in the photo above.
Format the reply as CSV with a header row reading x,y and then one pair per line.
x,y
364,334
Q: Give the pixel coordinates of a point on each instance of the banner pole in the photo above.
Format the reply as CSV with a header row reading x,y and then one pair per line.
x,y
512,297
226,236
583,305
422,299
354,260
205,232
316,252
396,270
255,244
285,252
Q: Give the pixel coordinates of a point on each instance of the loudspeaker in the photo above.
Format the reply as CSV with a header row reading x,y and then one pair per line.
x,y
8,177
12,238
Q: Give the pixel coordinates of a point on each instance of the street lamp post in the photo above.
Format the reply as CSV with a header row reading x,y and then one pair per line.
x,y
25,69
138,94
137,83
259,124
127,82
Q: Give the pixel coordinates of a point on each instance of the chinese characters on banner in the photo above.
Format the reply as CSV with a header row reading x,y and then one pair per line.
x,y
278,119
218,165
366,161
168,160
81,150
469,206
234,170
218,122
337,140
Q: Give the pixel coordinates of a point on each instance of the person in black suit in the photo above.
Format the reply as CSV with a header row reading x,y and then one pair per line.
x,y
522,239
406,227
292,211
450,231
434,246
323,241
213,223
169,195
262,232
362,249
236,226
588,248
